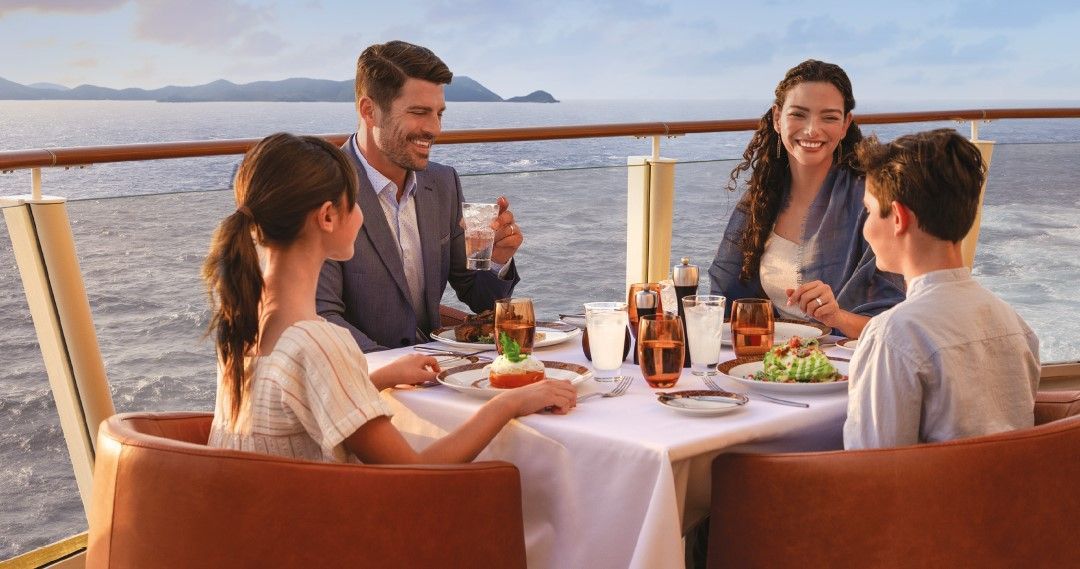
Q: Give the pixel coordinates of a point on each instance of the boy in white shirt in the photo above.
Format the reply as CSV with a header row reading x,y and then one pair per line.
x,y
952,360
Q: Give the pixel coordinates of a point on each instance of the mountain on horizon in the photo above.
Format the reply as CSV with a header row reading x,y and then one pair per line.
x,y
297,89
52,86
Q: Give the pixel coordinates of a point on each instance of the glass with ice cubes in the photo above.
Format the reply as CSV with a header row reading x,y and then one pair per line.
x,y
704,327
479,236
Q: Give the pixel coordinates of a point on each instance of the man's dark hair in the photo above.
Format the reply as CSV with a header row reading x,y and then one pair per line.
x,y
937,174
383,68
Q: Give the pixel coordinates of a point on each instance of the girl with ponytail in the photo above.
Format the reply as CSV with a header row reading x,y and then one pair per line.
x,y
796,235
290,383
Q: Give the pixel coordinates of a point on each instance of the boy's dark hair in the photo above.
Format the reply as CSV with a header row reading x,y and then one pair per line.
x,y
937,174
383,68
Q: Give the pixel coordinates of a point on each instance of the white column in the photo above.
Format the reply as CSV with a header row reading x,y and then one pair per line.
x,y
986,147
44,249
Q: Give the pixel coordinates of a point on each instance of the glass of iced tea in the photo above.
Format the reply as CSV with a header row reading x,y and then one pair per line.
x,y
752,326
516,318
660,348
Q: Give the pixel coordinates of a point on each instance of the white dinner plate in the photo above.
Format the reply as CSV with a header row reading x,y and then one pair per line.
x,y
473,380
782,332
740,369
552,336
848,344
702,402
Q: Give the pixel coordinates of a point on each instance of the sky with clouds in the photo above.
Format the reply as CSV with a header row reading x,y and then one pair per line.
x,y
602,49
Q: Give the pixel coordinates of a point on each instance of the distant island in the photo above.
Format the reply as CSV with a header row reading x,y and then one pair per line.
x,y
462,89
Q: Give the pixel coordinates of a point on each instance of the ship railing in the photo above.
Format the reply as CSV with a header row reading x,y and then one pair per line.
x,y
44,245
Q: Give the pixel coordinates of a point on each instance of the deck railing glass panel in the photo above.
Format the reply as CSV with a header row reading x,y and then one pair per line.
x,y
141,256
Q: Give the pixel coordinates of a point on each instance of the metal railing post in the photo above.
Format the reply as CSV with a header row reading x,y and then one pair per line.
x,y
44,250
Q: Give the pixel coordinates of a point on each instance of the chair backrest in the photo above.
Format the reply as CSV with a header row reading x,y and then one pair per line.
x,y
1004,500
163,499
1056,405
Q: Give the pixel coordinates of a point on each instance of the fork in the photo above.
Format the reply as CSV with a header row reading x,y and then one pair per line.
x,y
713,385
441,352
622,385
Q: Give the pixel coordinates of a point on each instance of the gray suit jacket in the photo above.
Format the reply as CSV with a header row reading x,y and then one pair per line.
x,y
368,294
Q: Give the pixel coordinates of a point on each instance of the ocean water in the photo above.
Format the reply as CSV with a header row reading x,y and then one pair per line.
x,y
142,231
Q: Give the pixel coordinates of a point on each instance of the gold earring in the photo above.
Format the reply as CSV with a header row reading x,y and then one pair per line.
x,y
778,145
839,151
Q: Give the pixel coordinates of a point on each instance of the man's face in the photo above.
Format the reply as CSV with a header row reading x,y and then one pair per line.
x,y
878,231
406,131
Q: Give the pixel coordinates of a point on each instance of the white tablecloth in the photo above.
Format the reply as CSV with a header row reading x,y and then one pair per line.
x,y
614,483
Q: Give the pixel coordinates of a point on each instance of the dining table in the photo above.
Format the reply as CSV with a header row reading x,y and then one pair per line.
x,y
617,481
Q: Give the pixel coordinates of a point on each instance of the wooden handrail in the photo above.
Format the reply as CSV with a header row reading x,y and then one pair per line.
x,y
20,159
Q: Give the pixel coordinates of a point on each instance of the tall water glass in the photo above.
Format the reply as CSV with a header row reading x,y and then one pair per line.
x,y
660,349
752,326
704,327
605,323
515,317
479,236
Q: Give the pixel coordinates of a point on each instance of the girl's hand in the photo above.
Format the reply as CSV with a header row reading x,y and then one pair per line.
x,y
409,369
560,395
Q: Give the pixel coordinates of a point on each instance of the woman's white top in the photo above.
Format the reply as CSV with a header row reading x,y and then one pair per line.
x,y
779,271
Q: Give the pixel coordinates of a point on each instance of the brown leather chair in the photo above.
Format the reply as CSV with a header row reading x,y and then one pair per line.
x,y
1003,500
163,499
1056,405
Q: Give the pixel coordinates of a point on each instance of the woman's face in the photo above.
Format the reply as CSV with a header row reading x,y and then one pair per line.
x,y
812,122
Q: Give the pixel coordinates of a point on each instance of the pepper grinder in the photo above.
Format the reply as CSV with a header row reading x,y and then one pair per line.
x,y
646,302
685,277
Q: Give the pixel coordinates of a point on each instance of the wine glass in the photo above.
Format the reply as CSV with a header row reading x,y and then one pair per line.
x,y
660,348
515,317
752,326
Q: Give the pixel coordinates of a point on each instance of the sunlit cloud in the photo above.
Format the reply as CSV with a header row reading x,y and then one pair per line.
x,y
84,63
208,24
941,50
143,72
41,42
1008,14
60,6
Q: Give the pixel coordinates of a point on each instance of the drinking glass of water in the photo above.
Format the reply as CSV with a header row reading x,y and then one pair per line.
x,y
704,327
605,323
479,236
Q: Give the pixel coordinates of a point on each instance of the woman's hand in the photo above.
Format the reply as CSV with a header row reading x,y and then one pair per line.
x,y
560,395
816,300
409,369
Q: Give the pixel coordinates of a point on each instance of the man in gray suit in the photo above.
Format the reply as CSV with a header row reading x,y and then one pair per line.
x,y
411,244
